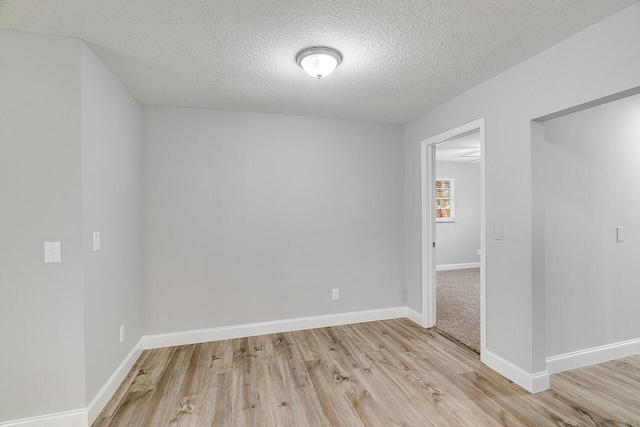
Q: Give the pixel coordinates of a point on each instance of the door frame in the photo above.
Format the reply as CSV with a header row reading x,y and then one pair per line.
x,y
427,185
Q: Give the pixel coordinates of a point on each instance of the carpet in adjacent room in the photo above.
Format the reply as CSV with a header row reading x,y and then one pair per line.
x,y
458,305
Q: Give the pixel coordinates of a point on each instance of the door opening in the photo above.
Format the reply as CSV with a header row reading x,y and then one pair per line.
x,y
440,208
457,208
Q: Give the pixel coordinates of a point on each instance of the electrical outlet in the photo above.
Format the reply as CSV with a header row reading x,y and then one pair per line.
x,y
121,333
478,252
96,241
335,294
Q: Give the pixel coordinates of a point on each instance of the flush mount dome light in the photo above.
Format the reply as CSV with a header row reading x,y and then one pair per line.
x,y
319,61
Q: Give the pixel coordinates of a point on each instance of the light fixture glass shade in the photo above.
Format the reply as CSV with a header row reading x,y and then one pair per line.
x,y
319,62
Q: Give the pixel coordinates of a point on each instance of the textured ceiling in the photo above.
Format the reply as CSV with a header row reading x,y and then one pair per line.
x,y
401,57
464,149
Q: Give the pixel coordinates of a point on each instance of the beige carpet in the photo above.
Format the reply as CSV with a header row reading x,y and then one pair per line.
x,y
458,305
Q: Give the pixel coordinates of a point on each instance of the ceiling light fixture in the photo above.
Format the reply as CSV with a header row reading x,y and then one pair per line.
x,y
319,61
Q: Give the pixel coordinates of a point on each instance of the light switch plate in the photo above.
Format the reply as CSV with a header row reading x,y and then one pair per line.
x,y
52,253
620,234
498,232
96,241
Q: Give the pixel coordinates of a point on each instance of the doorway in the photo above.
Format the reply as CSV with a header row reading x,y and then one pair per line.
x,y
439,208
458,238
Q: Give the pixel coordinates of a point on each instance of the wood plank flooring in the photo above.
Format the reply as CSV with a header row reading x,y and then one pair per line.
x,y
388,373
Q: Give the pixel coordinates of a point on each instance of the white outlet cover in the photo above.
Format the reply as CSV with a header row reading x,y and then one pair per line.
x,y
52,252
335,294
96,241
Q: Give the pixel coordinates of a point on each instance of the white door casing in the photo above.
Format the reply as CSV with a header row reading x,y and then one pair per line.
x,y
427,160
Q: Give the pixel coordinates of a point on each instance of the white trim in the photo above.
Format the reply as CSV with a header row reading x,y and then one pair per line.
x,y
108,390
445,220
591,356
85,417
413,315
427,164
533,383
271,327
427,157
464,266
483,243
61,419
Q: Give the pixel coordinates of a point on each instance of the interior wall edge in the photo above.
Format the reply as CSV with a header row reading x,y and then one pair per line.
x,y
85,417
414,316
532,382
107,391
587,105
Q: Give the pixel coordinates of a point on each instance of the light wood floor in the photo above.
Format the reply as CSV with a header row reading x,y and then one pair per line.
x,y
389,373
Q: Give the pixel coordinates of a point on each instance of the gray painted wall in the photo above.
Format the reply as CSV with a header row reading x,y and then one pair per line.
x,y
41,307
111,204
459,241
592,178
597,62
255,217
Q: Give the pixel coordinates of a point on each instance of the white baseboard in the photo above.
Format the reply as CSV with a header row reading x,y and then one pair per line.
x,y
62,419
591,356
84,418
444,267
414,316
533,383
108,390
271,327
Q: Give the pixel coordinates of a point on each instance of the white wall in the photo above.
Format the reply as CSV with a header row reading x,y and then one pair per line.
x,y
69,165
597,62
459,241
592,177
111,204
41,305
254,217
